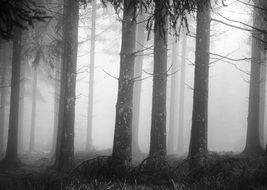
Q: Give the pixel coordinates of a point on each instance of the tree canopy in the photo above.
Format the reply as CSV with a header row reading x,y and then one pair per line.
x,y
177,11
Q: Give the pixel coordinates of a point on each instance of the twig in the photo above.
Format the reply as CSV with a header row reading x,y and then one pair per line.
x,y
110,75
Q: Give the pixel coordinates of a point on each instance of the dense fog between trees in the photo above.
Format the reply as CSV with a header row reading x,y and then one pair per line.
x,y
119,76
228,95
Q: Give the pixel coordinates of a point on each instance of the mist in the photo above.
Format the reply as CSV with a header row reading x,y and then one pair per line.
x,y
81,66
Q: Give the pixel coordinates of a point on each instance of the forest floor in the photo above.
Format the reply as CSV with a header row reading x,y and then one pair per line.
x,y
224,171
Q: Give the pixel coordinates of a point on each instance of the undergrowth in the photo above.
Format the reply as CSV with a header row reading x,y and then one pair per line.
x,y
221,172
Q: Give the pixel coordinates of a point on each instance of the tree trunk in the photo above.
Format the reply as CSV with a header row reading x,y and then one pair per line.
x,y
173,104
138,84
198,142
56,106
253,138
21,107
3,51
65,157
181,101
91,80
33,114
158,119
262,95
122,143
11,158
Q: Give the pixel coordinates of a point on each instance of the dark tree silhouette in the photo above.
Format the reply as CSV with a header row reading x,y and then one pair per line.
x,y
158,119
65,155
253,137
122,144
198,142
11,159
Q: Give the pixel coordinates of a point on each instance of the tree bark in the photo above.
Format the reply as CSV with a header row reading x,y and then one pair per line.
x,y
33,114
3,51
181,101
158,119
11,159
89,140
65,157
173,98
253,138
138,84
198,143
122,143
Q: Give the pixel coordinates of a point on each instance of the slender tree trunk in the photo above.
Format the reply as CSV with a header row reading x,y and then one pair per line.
x,y
253,138
60,112
158,119
262,96
21,107
91,81
3,51
122,144
11,158
33,114
173,104
58,103
198,143
65,157
181,101
138,84
56,106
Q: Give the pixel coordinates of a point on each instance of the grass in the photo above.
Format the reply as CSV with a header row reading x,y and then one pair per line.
x,y
221,172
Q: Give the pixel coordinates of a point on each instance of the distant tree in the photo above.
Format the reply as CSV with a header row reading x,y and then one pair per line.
x,y
3,86
253,137
174,96
122,144
21,105
91,79
65,157
198,142
33,113
158,119
56,138
181,101
11,159
140,43
57,49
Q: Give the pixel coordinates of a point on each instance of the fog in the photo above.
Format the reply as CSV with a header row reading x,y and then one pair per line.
x,y
228,86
